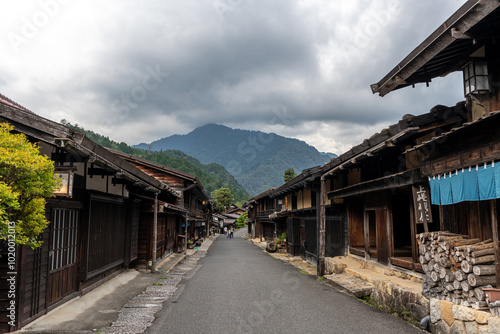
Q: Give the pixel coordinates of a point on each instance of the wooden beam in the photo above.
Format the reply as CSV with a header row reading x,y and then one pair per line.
x,y
441,218
321,228
387,182
494,228
389,231
366,230
92,171
413,229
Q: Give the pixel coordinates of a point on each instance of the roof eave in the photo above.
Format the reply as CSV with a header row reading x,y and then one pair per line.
x,y
471,13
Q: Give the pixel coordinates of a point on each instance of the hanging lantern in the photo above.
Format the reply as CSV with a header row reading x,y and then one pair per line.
x,y
476,77
66,176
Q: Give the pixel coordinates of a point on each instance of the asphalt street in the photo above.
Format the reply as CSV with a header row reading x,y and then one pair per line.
x,y
238,288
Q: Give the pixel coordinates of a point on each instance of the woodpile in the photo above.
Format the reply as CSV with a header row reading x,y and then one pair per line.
x,y
456,268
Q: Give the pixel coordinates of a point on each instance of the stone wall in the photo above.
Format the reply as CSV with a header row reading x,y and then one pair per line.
x,y
395,298
449,318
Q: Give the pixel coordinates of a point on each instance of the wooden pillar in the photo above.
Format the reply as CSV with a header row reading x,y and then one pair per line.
x,y
441,219
366,231
389,231
155,234
321,227
494,228
413,228
186,233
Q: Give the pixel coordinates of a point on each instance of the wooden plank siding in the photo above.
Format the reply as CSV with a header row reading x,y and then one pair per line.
x,y
173,181
34,303
166,236
106,236
134,234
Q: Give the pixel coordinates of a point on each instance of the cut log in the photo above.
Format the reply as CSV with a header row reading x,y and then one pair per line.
x,y
460,275
479,293
434,276
485,269
445,262
483,259
483,252
473,248
457,285
475,280
465,285
466,267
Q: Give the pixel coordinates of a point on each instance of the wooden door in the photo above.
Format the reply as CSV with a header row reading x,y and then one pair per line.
x,y
64,254
293,236
383,251
303,241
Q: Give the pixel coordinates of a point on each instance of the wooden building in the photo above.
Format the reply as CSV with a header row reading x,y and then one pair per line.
x,y
94,226
299,215
294,209
259,208
461,165
191,204
379,186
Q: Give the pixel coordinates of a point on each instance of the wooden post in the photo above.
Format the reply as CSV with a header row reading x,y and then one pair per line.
x,y
155,235
366,228
186,233
413,229
389,230
321,228
494,228
441,219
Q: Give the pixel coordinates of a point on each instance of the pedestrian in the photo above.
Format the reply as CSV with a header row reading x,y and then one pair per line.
x,y
225,229
232,232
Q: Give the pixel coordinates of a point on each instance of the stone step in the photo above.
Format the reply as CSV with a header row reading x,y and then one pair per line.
x,y
354,285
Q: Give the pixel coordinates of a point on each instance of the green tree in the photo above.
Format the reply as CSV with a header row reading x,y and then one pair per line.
x,y
242,220
26,179
223,199
289,174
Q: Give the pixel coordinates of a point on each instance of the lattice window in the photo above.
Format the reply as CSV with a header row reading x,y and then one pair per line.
x,y
64,238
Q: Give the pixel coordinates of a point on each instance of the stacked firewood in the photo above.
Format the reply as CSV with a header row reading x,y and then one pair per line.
x,y
456,268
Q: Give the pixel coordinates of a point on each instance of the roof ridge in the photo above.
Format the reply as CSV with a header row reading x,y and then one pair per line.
x,y
11,102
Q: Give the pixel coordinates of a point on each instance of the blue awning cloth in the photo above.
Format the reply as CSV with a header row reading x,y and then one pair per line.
x,y
478,183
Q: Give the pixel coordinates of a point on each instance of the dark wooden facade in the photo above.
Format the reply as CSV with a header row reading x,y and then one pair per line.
x,y
301,205
294,209
468,38
376,181
187,202
92,236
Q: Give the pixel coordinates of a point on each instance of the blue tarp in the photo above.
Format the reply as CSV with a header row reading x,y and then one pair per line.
x,y
466,185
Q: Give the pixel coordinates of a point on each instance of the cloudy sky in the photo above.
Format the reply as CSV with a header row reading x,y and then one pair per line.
x,y
137,71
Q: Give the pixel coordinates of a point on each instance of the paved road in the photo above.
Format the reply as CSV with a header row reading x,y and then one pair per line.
x,y
238,288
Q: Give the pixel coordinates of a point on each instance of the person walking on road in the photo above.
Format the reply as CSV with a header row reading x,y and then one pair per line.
x,y
231,232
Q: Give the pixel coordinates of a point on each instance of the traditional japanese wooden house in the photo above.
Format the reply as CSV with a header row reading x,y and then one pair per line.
x,y
94,220
235,210
191,205
259,208
298,214
379,186
461,165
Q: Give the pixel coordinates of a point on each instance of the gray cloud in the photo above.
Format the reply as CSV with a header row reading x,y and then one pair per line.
x,y
165,67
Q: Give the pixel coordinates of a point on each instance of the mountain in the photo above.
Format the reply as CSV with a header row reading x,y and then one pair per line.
x,y
213,176
256,159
